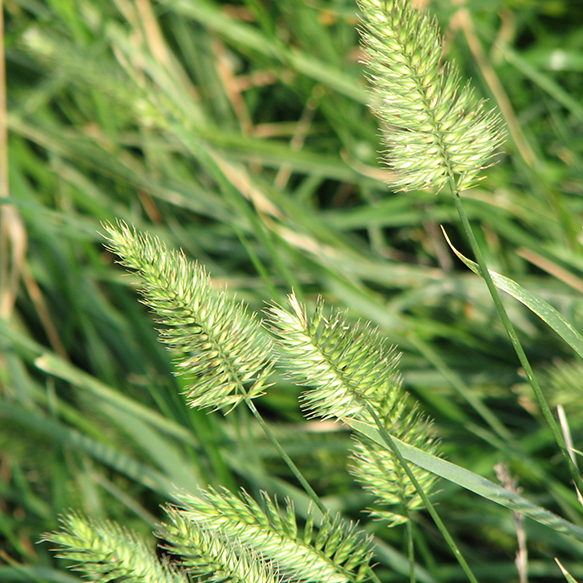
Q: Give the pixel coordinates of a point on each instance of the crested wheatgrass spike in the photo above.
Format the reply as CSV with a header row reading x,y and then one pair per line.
x,y
348,367
106,551
338,554
380,472
349,370
217,345
210,556
435,129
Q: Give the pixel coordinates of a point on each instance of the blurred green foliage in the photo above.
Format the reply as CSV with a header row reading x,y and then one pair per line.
x,y
240,132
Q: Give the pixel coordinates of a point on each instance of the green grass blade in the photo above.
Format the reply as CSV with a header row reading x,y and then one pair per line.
x,y
248,37
566,573
475,483
542,309
544,81
114,458
30,574
52,364
161,450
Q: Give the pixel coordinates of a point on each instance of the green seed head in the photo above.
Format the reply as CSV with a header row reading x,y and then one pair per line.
x,y
435,130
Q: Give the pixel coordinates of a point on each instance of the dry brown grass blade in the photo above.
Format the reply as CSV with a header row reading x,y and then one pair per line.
x,y
13,243
239,177
43,312
12,232
462,20
510,483
552,268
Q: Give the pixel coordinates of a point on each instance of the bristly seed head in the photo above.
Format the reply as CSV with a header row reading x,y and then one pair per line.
x,y
435,130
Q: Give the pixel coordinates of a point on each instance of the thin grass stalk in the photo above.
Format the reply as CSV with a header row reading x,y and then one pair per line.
x,y
427,503
288,461
7,299
525,363
256,261
296,472
410,549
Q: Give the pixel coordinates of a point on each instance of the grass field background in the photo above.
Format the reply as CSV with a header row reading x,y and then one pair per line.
x,y
240,132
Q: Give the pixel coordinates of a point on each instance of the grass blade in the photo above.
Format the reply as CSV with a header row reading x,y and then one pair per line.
x,y
542,309
475,483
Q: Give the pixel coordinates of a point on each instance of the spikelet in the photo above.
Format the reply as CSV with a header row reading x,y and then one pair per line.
x,y
338,553
105,551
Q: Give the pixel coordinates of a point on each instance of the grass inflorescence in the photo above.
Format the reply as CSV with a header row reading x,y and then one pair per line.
x,y
243,136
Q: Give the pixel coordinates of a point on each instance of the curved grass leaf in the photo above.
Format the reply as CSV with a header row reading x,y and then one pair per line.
x,y
473,482
542,309
113,458
57,367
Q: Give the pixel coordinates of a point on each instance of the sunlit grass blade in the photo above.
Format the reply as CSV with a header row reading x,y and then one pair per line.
x,y
566,573
474,483
538,306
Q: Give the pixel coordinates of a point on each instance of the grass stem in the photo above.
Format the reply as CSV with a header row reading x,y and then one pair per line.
x,y
427,503
514,338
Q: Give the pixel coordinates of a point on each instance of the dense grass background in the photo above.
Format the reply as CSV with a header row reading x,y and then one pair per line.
x,y
240,132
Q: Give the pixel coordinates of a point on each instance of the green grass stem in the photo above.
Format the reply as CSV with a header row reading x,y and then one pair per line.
x,y
508,326
426,501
